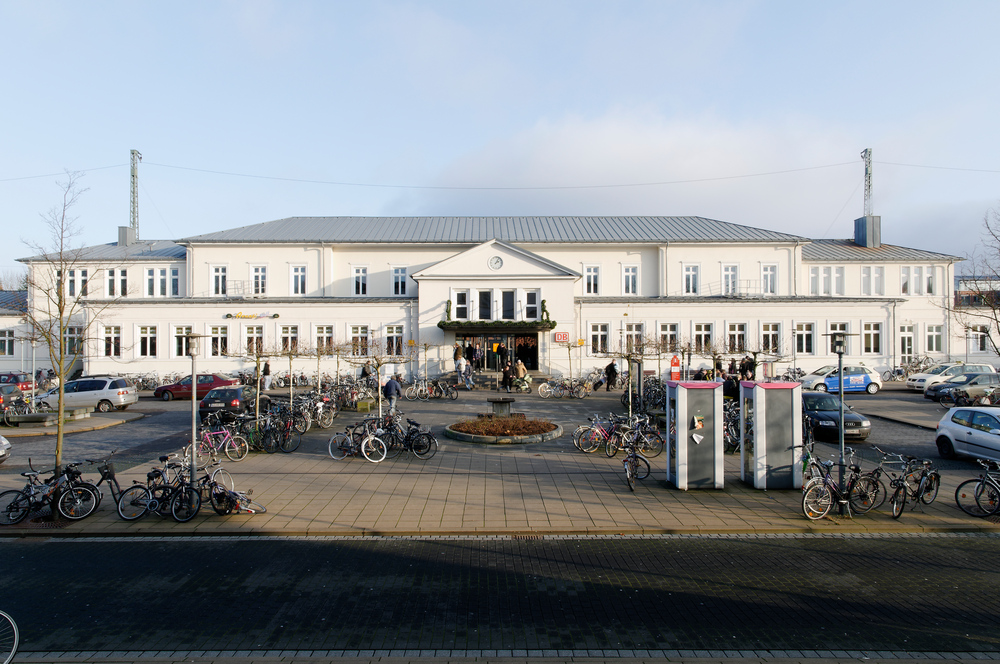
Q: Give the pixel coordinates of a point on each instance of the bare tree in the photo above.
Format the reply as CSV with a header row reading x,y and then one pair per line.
x,y
379,353
13,279
977,299
59,314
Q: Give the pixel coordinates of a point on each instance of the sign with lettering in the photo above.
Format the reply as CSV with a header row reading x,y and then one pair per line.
x,y
561,337
251,316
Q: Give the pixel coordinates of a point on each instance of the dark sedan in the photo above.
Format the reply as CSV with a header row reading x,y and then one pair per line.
x,y
232,401
967,382
824,414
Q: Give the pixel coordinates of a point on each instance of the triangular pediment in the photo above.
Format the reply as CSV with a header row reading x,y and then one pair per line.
x,y
494,259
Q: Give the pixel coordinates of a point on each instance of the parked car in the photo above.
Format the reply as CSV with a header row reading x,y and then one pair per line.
x,y
100,392
969,430
232,401
857,378
943,371
4,449
22,380
824,412
975,383
9,392
182,388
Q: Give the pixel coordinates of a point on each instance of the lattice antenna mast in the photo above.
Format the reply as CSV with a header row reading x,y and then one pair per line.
x,y
136,158
867,156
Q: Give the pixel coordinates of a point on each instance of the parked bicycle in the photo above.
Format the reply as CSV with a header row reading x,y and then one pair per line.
x,y
919,483
820,494
8,638
980,496
62,492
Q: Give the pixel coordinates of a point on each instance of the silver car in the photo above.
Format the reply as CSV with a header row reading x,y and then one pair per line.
x,y
4,449
969,430
100,392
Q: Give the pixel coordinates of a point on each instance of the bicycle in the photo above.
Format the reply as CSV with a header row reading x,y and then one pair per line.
x,y
358,439
415,439
107,471
8,638
225,502
926,482
211,442
819,495
73,501
875,475
981,496
636,465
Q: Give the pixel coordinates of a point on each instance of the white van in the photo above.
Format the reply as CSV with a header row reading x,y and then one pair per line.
x,y
943,371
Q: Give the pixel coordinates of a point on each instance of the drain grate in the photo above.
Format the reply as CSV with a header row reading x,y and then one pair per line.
x,y
526,537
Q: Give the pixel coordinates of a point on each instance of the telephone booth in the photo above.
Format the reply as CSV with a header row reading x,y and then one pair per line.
x,y
771,435
694,435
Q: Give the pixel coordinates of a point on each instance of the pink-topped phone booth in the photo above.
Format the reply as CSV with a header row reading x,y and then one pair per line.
x,y
694,435
771,435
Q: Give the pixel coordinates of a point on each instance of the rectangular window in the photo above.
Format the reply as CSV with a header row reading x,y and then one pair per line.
x,y
73,340
147,341
260,280
804,338
872,338
633,337
630,279
255,339
979,336
399,281
163,282
175,282
112,341
182,342
934,337
394,339
839,327
299,280
6,342
361,281
485,305
218,280
769,279
918,281
83,283
598,338
72,283
690,279
220,340
150,282
123,282
462,305
866,280
593,274
531,305
289,338
702,336
111,283
359,340
324,339
730,280
904,280
905,343
814,281
770,338
507,305
827,281
878,281
737,337
930,280
669,337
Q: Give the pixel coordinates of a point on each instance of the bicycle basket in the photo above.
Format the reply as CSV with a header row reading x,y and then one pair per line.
x,y
107,470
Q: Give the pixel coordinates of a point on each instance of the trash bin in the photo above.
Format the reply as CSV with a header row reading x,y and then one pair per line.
x,y
694,435
771,435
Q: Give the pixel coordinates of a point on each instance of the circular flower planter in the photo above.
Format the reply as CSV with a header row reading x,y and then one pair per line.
x,y
503,440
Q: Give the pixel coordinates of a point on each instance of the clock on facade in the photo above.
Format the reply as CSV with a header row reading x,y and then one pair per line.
x,y
495,263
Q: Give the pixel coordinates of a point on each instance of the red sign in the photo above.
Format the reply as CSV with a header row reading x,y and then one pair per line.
x,y
675,368
561,337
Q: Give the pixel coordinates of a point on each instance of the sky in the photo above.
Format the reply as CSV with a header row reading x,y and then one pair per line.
x,y
247,111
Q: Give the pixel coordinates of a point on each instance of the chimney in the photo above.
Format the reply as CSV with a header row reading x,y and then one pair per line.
x,y
868,231
126,236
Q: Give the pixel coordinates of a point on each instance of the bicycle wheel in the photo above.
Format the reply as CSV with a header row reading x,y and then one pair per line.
x,y
291,441
558,391
988,498
237,448
184,504
339,446
641,468
373,449
898,501
425,446
577,433
544,390
611,447
77,503
222,501
423,393
967,494
887,376
134,502
222,477
270,441
630,472
395,443
591,440
817,501
8,414
8,638
452,392
14,507
946,401
651,445
253,507
863,494
929,489
579,391
302,422
325,420
410,393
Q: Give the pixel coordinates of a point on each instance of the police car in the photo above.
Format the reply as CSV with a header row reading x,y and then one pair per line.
x,y
857,378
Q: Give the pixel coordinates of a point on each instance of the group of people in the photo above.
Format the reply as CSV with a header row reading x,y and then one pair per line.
x,y
512,371
473,355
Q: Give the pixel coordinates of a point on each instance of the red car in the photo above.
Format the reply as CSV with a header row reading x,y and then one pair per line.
x,y
182,388
22,380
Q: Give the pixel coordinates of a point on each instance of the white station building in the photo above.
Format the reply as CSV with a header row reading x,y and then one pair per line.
x,y
555,290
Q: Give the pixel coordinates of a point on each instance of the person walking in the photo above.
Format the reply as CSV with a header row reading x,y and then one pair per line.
x,y
470,352
508,377
479,357
457,355
267,375
502,354
611,371
392,390
467,376
460,367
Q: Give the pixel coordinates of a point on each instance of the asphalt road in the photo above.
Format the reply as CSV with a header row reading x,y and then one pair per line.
x,y
926,593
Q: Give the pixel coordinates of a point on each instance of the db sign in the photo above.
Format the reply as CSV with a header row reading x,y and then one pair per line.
x,y
561,337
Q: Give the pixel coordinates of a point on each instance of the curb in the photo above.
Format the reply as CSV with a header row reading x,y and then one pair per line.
x,y
503,440
51,431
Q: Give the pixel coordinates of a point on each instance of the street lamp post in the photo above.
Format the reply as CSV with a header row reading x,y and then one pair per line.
x,y
193,352
838,340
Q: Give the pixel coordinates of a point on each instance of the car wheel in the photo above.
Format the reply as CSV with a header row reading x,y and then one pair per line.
x,y
945,449
872,388
167,396
821,387
104,406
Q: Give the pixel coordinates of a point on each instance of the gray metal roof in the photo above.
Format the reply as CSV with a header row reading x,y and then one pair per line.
x,y
13,301
846,250
141,250
463,230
